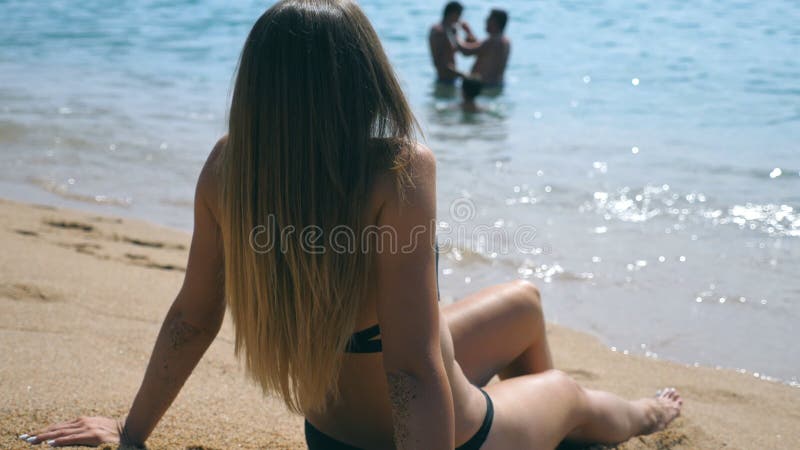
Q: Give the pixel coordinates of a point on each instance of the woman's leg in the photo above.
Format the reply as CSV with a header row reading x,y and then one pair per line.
x,y
539,411
500,331
613,419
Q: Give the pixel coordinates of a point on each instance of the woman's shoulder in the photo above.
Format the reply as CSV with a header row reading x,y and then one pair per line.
x,y
412,156
208,183
412,177
422,158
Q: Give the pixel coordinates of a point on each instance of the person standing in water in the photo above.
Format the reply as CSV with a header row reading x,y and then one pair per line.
x,y
443,43
492,53
470,88
322,143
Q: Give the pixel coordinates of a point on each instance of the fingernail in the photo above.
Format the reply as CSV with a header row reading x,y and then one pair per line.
x,y
51,442
23,436
30,439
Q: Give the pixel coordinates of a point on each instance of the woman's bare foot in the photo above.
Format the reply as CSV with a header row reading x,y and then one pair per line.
x,y
661,410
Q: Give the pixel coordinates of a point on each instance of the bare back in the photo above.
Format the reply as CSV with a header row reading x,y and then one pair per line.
x,y
363,415
443,53
492,59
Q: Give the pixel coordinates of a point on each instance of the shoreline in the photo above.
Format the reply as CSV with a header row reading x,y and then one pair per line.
x,y
74,280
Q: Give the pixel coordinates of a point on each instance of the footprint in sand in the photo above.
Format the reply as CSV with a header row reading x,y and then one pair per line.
x,y
69,225
151,244
153,265
22,291
715,395
87,248
144,261
106,219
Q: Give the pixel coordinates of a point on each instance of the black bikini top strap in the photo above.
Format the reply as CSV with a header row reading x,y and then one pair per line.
x,y
365,341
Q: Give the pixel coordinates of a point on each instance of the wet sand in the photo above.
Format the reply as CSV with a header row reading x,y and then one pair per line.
x,y
82,297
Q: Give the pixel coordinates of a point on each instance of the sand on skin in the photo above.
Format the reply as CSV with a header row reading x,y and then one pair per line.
x,y
82,297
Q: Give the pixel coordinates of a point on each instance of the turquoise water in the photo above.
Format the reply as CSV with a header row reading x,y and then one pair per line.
x,y
654,146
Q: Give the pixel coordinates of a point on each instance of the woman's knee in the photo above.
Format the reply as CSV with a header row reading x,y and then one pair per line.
x,y
565,385
527,299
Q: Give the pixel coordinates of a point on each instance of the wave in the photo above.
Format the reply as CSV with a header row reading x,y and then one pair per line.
x,y
63,190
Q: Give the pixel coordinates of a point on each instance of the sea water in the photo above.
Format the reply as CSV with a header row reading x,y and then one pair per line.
x,y
649,152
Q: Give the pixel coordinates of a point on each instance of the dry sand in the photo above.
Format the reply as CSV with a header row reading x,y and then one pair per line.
x,y
82,298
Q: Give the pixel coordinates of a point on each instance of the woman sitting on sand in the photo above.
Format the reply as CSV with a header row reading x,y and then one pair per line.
x,y
343,321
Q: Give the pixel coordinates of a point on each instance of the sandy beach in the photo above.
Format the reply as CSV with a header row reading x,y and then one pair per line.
x,y
82,297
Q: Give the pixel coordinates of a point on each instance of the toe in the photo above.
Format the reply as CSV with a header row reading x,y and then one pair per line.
x,y
673,394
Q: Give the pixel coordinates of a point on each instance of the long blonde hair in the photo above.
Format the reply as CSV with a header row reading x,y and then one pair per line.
x,y
316,114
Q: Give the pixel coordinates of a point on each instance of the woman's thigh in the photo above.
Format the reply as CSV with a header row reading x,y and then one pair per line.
x,y
534,411
492,327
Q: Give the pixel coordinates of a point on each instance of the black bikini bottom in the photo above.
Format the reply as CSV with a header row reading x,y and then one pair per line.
x,y
317,440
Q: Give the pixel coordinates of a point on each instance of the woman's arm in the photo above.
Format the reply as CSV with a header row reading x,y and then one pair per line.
x,y
422,403
192,323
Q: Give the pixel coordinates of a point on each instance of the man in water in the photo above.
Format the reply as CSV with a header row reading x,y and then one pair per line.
x,y
470,88
444,43
492,52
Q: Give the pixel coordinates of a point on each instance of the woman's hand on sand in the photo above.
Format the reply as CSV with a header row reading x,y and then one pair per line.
x,y
90,431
